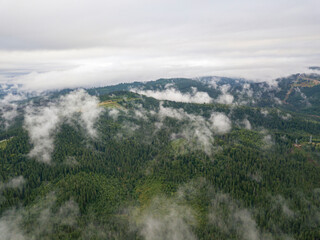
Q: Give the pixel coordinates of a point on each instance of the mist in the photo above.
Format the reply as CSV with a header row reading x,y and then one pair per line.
x,y
172,94
42,123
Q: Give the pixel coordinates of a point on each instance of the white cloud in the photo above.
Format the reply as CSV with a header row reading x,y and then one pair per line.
x,y
225,97
165,219
198,131
220,123
43,122
268,142
173,94
247,124
16,182
41,219
8,108
264,112
232,219
114,113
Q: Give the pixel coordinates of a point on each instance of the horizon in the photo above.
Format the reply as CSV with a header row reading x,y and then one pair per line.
x,y
71,44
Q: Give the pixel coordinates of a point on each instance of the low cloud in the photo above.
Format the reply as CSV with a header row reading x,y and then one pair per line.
x,y
225,97
39,221
199,131
264,112
220,123
232,219
268,142
8,108
247,124
16,182
283,204
165,219
42,123
172,94
284,116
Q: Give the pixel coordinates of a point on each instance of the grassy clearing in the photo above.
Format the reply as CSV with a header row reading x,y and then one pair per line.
x,y
3,143
114,103
110,104
307,83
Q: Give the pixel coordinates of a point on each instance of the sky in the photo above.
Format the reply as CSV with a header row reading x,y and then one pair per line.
x,y
80,43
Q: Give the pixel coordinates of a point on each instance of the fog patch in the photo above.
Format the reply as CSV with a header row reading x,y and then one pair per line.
x,y
268,142
303,96
39,221
283,204
9,108
164,218
284,116
247,124
225,97
42,123
264,112
256,177
277,101
233,220
246,95
16,182
71,161
198,130
172,94
220,123
114,113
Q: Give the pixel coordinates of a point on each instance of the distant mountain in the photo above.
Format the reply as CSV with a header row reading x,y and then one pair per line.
x,y
314,68
299,92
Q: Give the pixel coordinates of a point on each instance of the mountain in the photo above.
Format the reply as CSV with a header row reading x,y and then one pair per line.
x,y
204,158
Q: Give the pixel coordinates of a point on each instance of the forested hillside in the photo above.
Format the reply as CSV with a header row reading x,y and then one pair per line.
x,y
207,158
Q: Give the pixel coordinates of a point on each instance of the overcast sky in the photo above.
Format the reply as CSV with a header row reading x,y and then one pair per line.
x,y
71,43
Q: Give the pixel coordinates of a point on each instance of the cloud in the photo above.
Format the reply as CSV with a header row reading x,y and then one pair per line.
x,y
246,95
172,94
213,82
16,182
39,221
247,124
225,97
165,219
220,123
232,219
42,123
90,44
279,201
267,141
114,113
8,108
198,131
264,112
284,116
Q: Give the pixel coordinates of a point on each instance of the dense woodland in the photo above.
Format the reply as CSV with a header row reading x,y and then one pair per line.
x,y
136,180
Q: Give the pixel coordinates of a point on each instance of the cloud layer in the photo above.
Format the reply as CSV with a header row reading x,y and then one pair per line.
x,y
88,43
